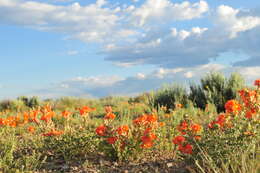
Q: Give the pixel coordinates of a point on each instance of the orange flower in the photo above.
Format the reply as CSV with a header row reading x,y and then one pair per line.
x,y
182,127
145,119
110,115
161,124
66,114
197,138
151,118
140,120
108,109
2,121
249,114
46,108
178,140
220,122
12,121
85,110
178,105
152,136
232,106
47,117
187,149
112,140
26,117
33,116
123,130
147,140
101,130
195,128
257,82
147,145
53,133
31,129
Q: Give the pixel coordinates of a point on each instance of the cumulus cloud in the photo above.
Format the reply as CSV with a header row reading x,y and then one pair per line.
x,y
230,21
96,22
233,30
165,10
92,22
135,34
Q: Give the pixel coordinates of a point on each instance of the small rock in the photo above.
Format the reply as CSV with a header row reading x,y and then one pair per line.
x,y
169,165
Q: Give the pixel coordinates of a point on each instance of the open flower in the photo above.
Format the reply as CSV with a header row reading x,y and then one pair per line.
x,y
232,106
186,149
85,110
178,140
110,116
31,129
112,140
257,82
101,130
195,128
123,130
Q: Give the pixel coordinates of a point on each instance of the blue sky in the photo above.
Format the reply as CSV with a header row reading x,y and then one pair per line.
x,y
90,48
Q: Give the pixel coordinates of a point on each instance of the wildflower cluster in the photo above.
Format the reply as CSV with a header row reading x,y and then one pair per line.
x,y
189,132
145,126
127,139
40,118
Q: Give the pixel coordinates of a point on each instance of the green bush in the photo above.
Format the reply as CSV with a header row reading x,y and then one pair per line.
x,y
30,102
13,105
215,88
169,96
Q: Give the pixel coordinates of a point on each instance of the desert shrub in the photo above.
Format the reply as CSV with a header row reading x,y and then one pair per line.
x,y
64,103
12,105
215,88
170,96
30,102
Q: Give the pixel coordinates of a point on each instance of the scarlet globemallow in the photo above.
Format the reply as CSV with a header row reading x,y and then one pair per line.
x,y
232,106
257,82
178,140
112,140
101,130
186,149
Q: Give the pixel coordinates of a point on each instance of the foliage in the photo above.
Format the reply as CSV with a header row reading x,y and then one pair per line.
x,y
170,96
89,133
216,89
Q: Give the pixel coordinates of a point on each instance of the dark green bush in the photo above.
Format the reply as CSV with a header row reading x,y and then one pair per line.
x,y
169,96
13,105
215,88
30,102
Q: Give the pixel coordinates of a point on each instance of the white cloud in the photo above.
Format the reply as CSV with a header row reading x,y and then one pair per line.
x,y
228,19
136,34
72,52
233,31
140,76
94,81
165,10
188,74
92,22
96,22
